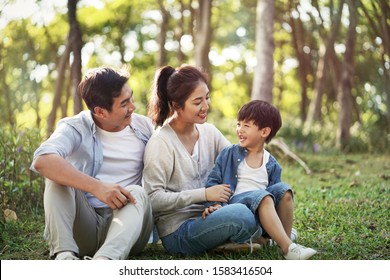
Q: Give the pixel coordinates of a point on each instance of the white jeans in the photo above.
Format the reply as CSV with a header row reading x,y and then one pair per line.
x,y
72,224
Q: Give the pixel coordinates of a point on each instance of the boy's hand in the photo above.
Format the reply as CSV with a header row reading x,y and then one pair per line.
x,y
210,210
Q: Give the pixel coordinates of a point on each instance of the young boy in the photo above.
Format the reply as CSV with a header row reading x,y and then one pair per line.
x,y
254,177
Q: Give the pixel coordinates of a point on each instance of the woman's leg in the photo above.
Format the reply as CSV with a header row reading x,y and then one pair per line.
x,y
231,223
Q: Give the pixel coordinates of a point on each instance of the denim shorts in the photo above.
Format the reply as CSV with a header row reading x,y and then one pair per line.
x,y
252,199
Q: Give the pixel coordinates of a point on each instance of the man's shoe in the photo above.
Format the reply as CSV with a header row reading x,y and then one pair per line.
x,y
66,255
299,252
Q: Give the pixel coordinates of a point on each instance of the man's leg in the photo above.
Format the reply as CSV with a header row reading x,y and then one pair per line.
x,y
130,227
64,208
67,213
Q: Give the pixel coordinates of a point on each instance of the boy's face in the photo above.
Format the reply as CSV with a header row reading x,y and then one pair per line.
x,y
249,134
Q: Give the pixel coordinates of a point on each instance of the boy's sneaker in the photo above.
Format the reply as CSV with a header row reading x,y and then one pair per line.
x,y
293,237
299,252
67,255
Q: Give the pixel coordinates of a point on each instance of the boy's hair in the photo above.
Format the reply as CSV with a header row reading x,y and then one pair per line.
x,y
101,85
262,114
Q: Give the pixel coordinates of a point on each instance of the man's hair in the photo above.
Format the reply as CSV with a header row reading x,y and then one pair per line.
x,y
101,85
262,114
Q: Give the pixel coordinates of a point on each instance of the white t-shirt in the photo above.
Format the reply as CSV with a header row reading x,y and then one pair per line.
x,y
251,179
122,160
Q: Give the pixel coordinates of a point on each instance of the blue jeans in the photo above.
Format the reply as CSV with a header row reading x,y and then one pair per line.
x,y
231,223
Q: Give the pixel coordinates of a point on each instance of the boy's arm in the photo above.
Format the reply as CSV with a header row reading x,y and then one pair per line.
x,y
275,173
214,178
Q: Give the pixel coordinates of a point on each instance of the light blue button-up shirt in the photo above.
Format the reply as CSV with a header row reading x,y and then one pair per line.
x,y
75,140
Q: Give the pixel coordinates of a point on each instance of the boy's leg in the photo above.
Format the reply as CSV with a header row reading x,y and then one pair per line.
x,y
262,204
271,223
130,228
284,199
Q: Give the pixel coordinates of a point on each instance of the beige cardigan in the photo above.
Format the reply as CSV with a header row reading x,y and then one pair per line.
x,y
174,181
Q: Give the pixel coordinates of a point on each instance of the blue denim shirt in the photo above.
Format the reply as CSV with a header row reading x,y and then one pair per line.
x,y
226,168
75,140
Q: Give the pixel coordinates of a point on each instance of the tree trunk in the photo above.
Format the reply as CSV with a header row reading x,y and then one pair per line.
x,y
385,27
203,35
76,45
345,87
314,113
263,79
298,42
381,29
162,54
61,68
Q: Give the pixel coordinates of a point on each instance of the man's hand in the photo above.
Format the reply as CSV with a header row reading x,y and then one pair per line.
x,y
114,195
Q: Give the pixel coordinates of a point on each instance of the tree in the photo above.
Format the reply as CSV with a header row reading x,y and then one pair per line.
x,y
76,45
264,71
326,52
73,46
346,84
203,35
162,55
379,24
299,41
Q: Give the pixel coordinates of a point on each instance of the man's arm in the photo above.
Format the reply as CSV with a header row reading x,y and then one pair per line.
x,y
57,169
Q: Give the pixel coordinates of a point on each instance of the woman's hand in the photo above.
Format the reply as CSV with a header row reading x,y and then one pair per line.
x,y
218,193
210,210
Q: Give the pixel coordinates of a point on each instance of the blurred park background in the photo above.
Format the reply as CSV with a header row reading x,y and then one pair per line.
x,y
324,63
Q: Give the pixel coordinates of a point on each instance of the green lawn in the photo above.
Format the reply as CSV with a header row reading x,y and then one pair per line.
x,y
341,209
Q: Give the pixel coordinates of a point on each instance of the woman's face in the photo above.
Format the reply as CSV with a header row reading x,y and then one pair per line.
x,y
196,106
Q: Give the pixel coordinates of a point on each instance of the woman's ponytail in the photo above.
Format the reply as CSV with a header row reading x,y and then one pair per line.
x,y
159,105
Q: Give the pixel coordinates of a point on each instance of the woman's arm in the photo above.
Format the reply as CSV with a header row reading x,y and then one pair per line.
x,y
165,193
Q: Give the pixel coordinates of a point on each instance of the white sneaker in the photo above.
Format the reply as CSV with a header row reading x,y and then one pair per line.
x,y
299,252
293,237
66,255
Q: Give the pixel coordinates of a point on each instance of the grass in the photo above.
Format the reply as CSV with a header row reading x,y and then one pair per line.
x,y
341,209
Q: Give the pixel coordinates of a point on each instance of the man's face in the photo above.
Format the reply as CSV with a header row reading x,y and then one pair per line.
x,y
120,115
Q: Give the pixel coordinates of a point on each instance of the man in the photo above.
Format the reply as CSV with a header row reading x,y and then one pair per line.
x,y
94,203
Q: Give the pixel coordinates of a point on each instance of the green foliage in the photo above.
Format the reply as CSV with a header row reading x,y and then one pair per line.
x,y
20,189
365,137
127,32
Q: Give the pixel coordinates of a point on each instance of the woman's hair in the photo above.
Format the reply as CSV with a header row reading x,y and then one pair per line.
x,y
263,114
171,89
101,85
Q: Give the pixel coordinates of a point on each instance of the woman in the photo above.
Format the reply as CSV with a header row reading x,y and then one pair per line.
x,y
178,159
